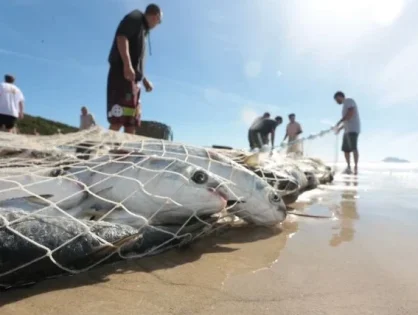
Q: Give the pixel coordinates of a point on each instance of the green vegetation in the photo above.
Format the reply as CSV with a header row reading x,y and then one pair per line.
x,y
43,126
155,129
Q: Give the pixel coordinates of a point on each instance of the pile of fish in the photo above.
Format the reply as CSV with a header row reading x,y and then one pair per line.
x,y
66,214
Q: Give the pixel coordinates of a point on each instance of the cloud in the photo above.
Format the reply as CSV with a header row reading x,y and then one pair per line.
x,y
248,115
327,122
374,145
397,81
252,69
378,144
70,63
213,96
27,56
370,43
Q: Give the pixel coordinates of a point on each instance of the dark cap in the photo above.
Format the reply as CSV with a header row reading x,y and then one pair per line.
x,y
8,78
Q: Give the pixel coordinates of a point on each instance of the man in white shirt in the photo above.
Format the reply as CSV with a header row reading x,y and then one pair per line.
x,y
351,124
11,103
86,119
293,130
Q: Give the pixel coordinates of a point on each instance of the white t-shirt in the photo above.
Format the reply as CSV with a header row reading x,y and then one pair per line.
x,y
10,97
352,125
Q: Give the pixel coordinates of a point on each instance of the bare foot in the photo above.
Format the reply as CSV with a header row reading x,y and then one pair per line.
x,y
355,170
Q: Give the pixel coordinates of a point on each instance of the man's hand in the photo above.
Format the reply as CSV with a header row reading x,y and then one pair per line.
x,y
147,84
129,73
337,130
21,115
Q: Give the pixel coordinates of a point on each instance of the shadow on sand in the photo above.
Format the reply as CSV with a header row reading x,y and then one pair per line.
x,y
216,243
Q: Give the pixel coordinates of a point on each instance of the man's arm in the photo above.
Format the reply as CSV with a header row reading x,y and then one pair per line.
x,y
300,130
285,136
21,108
21,104
93,121
273,131
350,112
128,27
347,116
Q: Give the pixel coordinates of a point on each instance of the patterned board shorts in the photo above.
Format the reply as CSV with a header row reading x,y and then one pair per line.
x,y
123,103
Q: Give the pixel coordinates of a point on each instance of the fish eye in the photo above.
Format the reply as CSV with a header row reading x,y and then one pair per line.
x,y
200,177
275,197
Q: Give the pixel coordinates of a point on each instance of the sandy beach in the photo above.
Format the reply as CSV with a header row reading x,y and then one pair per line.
x,y
361,260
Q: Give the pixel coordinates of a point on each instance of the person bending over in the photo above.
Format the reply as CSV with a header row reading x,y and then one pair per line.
x,y
264,128
253,142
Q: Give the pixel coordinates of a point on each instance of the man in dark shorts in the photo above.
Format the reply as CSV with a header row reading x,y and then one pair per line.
x,y
11,103
351,124
126,59
259,132
255,122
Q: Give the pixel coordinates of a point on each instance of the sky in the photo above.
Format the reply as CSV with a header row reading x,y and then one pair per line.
x,y
216,65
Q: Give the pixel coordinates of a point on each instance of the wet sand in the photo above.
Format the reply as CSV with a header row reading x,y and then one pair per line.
x,y
362,260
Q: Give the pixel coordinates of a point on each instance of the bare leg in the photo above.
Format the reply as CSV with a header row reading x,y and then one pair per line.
x,y
347,159
115,127
130,129
356,155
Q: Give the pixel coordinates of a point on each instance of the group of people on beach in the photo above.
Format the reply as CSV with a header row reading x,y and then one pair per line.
x,y
126,75
264,126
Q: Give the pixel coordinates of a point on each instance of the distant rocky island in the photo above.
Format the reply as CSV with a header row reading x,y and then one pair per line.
x,y
391,159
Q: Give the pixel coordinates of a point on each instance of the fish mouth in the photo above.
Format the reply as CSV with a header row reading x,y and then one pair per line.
x,y
231,202
224,196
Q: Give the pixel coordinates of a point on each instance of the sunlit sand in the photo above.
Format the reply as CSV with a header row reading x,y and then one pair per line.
x,y
361,260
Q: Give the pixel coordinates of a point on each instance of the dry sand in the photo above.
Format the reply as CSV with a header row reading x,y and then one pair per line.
x,y
363,261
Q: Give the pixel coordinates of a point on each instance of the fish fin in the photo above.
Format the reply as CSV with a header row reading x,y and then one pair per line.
x,y
109,250
97,214
33,199
252,160
106,251
119,152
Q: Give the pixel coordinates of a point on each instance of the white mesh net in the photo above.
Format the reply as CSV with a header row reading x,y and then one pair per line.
x,y
71,202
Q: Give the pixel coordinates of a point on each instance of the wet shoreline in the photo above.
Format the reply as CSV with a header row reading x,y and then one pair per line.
x,y
362,260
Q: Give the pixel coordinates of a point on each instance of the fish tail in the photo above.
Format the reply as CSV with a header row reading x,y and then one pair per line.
x,y
103,253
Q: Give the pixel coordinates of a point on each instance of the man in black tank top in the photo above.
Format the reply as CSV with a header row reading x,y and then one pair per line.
x,y
259,132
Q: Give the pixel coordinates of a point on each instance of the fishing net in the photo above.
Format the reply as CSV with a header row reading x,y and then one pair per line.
x,y
295,166
71,202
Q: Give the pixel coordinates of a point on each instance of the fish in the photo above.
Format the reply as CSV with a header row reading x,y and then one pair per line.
x,y
280,172
324,173
256,202
134,189
55,246
53,242
263,205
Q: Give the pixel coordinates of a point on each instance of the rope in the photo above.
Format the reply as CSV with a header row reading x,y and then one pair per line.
x,y
337,151
301,140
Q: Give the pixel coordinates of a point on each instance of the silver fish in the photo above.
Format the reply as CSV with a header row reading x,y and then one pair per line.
x,y
76,246
133,190
263,204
